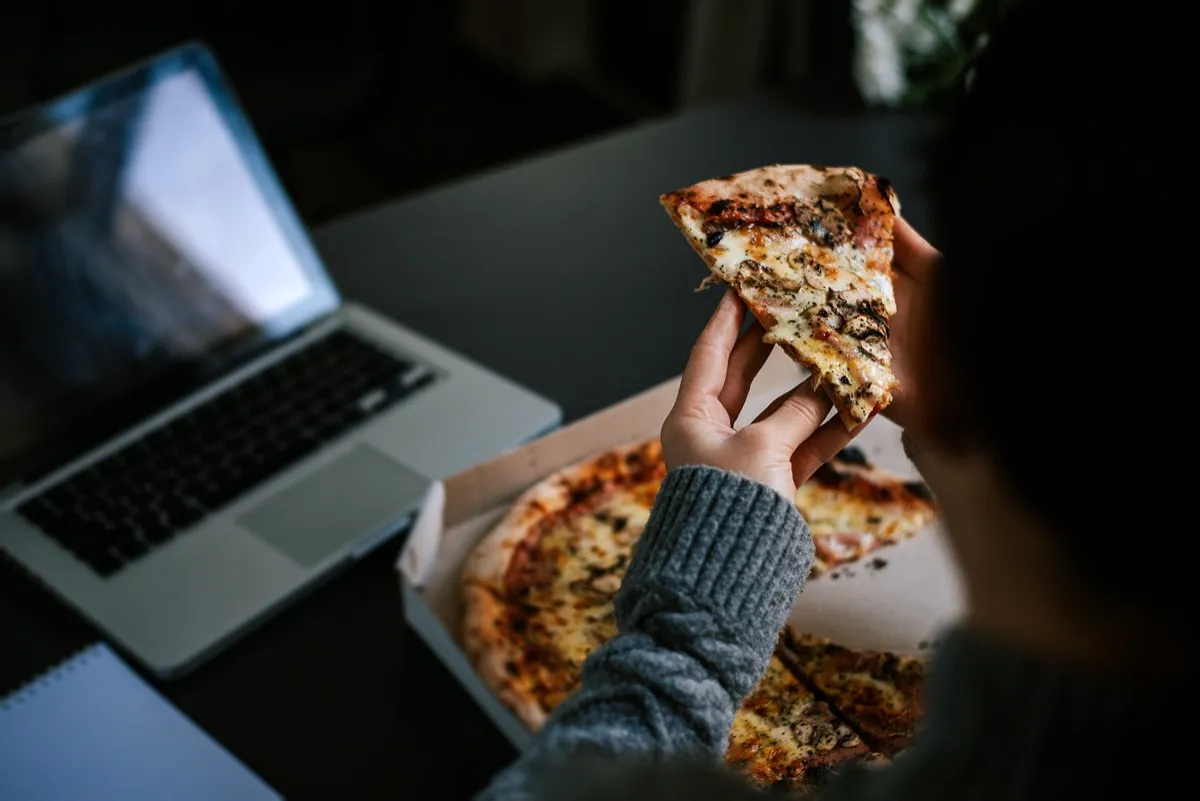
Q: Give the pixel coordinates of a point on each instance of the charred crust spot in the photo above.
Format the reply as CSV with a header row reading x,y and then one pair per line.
x,y
844,381
769,182
852,455
519,624
510,667
728,177
619,524
714,238
919,489
724,214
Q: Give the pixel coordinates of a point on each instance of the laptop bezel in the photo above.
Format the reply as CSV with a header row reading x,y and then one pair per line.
x,y
322,302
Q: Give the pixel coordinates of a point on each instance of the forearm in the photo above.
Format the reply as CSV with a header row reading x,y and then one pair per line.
x,y
707,591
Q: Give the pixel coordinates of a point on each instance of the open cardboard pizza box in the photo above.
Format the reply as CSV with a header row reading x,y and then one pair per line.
x,y
899,606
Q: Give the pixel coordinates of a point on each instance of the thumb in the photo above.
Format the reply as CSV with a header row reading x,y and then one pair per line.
x,y
794,416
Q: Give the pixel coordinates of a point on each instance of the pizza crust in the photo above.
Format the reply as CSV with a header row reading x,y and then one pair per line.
x,y
492,649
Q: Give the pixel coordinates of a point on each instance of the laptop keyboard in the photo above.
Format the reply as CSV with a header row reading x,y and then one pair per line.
x,y
124,506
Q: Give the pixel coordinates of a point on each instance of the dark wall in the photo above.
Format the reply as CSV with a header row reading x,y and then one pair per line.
x,y
357,101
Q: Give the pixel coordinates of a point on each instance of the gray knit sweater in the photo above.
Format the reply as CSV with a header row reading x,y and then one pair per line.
x,y
715,573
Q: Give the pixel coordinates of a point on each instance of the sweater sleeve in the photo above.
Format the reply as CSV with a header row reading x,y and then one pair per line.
x,y
709,587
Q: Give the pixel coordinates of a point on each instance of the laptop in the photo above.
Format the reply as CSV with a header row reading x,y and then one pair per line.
x,y
194,426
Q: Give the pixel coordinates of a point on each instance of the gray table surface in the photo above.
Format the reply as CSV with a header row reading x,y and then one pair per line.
x,y
564,272
561,272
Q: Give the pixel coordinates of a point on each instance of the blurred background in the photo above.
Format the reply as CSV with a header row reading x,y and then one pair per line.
x,y
359,101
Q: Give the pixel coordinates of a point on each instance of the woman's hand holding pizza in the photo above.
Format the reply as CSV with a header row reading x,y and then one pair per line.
x,y
783,447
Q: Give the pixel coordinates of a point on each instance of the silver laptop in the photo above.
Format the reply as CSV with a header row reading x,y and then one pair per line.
x,y
194,427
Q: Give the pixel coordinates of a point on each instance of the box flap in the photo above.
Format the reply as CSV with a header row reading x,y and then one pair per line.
x,y
420,550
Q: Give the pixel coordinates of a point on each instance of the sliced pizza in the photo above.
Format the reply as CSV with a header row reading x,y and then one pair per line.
x,y
881,695
853,508
538,592
784,737
809,250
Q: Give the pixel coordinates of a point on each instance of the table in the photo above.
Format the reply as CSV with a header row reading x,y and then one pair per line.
x,y
561,272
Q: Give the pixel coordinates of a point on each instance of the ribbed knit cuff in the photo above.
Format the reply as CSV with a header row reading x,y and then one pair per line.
x,y
725,542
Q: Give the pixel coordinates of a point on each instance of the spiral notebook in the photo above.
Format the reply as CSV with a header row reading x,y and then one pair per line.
x,y
91,728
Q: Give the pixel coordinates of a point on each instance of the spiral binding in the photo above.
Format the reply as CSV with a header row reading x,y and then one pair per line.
x,y
48,677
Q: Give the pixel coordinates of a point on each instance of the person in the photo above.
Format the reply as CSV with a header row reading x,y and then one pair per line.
x,y
1044,365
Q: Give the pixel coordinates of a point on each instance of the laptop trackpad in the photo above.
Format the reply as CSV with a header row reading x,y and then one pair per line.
x,y
352,497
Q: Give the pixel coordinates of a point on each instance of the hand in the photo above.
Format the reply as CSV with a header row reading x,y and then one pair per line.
x,y
913,261
783,447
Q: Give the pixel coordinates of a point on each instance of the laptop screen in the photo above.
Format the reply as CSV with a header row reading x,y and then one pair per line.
x,y
145,246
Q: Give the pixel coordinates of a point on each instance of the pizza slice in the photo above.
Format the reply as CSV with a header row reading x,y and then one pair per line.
x,y
853,508
809,250
879,694
784,737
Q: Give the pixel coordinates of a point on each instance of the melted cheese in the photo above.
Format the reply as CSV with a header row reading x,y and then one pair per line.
x,y
829,510
808,276
574,613
781,730
846,526
862,688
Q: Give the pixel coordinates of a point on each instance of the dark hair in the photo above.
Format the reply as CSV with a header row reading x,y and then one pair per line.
x,y
1064,189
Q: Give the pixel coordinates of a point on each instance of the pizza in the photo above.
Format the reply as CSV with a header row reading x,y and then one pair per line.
x,y
784,736
809,251
853,508
539,588
879,694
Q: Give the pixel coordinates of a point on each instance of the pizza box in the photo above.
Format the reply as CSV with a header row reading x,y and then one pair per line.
x,y
897,599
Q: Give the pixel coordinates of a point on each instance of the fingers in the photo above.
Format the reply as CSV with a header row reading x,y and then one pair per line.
x,y
748,357
822,446
795,416
704,375
912,254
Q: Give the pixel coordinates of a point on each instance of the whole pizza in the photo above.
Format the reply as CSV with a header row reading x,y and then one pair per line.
x,y
539,591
